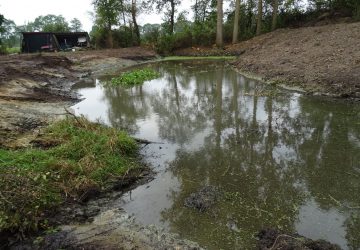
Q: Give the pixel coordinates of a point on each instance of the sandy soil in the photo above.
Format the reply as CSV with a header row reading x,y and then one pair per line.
x,y
322,60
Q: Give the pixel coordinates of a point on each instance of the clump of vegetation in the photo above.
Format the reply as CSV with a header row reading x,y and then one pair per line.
x,y
72,158
135,77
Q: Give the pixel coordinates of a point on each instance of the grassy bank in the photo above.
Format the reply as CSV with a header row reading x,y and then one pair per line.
x,y
70,159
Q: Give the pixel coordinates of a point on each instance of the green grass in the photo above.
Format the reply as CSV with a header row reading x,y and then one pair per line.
x,y
13,50
176,58
134,77
83,156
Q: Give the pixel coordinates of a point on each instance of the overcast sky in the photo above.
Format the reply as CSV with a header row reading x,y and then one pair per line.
x,y
22,11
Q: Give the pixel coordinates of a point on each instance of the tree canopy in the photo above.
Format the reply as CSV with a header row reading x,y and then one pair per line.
x,y
75,25
51,23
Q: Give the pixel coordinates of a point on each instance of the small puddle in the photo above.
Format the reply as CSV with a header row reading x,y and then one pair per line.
x,y
281,159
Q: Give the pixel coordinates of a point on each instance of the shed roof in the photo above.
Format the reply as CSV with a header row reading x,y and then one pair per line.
x,y
55,33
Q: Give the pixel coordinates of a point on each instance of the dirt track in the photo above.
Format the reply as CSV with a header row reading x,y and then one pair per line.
x,y
322,60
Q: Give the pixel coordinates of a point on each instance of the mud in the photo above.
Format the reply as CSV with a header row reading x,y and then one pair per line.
x,y
203,199
273,239
111,229
114,229
35,89
322,60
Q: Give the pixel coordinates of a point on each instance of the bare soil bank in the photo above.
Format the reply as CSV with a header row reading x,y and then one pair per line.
x,y
322,60
35,89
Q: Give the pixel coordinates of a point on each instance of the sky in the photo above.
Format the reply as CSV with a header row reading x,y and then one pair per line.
x,y
23,11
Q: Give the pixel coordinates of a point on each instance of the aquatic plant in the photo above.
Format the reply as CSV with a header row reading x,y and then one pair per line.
x,y
135,77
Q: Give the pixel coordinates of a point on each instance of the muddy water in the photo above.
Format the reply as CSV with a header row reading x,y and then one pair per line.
x,y
281,160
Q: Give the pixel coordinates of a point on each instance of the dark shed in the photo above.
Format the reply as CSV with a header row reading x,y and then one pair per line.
x,y
53,41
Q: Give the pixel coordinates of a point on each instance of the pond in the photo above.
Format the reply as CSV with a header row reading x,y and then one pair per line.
x,y
281,159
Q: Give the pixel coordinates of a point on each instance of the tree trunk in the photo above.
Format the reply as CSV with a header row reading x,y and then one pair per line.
x,y
236,22
274,14
136,27
219,24
196,11
259,18
122,9
172,18
110,42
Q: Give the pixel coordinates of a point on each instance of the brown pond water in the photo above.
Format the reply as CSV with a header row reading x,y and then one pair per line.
x,y
281,159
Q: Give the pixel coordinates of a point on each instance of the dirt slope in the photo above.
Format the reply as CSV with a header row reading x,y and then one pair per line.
x,y
34,89
321,60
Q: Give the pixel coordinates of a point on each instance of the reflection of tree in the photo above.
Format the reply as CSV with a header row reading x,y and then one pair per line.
x,y
267,153
259,193
126,107
331,160
266,167
180,116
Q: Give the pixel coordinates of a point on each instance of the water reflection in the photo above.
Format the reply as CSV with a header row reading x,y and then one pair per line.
x,y
283,160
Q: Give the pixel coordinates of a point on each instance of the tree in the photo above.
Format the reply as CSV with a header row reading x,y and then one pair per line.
x,y
219,24
236,22
10,34
259,18
170,10
201,8
51,23
2,30
136,27
275,5
107,15
75,25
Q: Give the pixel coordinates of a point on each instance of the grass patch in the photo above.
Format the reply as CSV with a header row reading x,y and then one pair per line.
x,y
177,58
134,77
86,157
6,51
13,50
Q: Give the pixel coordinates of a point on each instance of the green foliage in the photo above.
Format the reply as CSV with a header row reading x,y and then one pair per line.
x,y
2,20
13,50
150,33
121,37
165,44
107,12
110,14
10,36
135,77
75,25
2,30
79,156
51,23
169,9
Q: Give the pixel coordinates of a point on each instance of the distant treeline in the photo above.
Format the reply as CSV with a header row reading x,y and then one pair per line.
x,y
115,21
